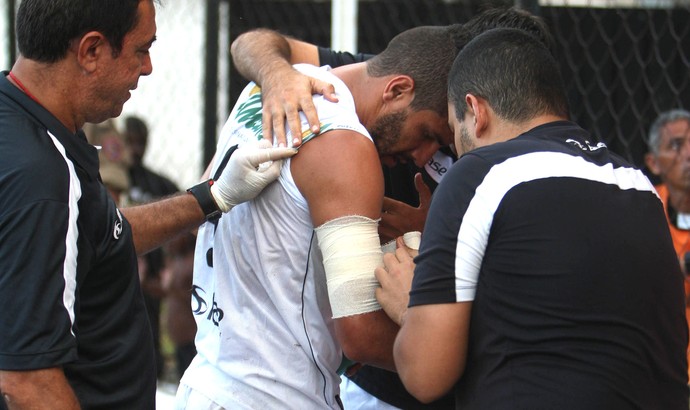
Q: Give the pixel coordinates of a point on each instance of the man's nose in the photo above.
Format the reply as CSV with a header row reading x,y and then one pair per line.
x,y
422,154
146,66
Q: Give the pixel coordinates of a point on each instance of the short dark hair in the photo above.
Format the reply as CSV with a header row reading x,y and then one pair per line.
x,y
136,125
513,71
45,28
411,51
426,54
511,17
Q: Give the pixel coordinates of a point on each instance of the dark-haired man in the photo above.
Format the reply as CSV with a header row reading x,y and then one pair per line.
x,y
74,326
284,284
546,276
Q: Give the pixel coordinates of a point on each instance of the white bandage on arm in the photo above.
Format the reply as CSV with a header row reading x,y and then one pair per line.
x,y
412,240
351,252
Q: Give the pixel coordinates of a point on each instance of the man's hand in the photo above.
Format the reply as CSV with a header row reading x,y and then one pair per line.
x,y
284,94
250,169
396,281
37,389
398,218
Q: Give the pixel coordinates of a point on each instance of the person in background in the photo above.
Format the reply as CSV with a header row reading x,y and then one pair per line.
x,y
176,280
75,333
546,275
113,157
408,188
147,185
669,159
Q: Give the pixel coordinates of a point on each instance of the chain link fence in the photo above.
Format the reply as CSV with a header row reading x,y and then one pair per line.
x,y
623,66
170,100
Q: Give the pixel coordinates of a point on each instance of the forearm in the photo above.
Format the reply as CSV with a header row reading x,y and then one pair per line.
x,y
259,53
368,338
411,364
431,348
155,223
37,389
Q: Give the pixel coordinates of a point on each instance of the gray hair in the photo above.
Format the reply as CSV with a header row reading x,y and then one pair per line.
x,y
654,136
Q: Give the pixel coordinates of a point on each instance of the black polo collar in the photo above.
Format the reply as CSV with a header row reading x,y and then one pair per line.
x,y
76,146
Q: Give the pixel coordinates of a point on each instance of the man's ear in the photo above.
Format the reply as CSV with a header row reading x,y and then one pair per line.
x,y
399,91
91,47
652,164
478,112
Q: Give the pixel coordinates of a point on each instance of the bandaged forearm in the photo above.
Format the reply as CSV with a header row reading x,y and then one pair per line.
x,y
351,252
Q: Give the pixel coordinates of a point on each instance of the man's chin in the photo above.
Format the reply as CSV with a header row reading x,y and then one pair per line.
x,y
389,161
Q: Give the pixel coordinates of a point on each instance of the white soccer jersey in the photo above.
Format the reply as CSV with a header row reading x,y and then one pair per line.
x,y
265,336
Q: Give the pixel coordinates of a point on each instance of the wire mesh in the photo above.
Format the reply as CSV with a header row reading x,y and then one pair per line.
x,y
623,66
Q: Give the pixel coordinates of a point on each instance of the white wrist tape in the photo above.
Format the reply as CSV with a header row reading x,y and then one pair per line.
x,y
412,240
351,252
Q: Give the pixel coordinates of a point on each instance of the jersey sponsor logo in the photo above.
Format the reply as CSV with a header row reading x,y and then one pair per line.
x,y
438,166
117,230
249,111
200,307
587,146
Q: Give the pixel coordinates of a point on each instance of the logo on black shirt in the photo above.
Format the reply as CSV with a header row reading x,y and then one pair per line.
x,y
587,146
117,231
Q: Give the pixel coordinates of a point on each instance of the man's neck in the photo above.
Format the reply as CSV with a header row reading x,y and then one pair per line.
x,y
363,89
679,199
501,130
45,84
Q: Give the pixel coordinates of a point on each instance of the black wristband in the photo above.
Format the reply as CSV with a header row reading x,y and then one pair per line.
x,y
202,193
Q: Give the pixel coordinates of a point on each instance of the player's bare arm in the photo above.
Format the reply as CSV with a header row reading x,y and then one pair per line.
x,y
340,176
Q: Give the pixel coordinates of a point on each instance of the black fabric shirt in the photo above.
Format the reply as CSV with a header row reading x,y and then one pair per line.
x,y
69,286
577,296
399,185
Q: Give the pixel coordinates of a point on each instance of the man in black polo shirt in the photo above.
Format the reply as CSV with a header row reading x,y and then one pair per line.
x,y
546,276
73,327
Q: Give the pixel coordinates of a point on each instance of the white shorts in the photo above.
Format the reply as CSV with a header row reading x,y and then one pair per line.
x,y
355,398
188,399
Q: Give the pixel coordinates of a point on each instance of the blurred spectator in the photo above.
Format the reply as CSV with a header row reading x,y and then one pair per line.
x,y
114,158
146,186
177,284
669,159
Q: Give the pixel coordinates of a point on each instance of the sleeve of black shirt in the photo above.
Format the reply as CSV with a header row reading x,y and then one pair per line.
x,y
334,58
